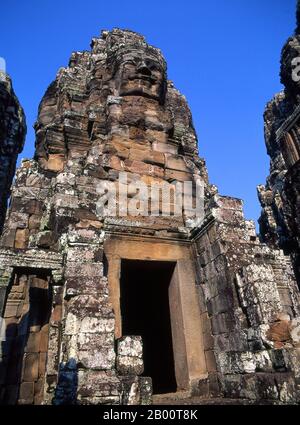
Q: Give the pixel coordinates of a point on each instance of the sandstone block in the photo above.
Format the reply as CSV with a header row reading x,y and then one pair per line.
x,y
26,393
210,361
55,162
101,358
44,339
31,367
33,343
21,240
180,176
176,163
129,355
42,364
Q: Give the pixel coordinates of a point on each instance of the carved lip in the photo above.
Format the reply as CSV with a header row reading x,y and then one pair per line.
x,y
143,77
140,92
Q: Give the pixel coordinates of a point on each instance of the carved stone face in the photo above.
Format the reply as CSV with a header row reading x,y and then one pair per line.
x,y
290,66
141,75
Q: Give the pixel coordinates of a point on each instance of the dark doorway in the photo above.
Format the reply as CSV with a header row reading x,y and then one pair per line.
x,y
145,311
27,313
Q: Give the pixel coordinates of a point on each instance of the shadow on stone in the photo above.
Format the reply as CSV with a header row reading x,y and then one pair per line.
x,y
66,390
24,339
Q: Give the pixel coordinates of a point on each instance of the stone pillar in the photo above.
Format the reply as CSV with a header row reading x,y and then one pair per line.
x,y
135,389
87,361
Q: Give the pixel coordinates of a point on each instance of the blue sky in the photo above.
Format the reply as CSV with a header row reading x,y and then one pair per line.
x,y
223,55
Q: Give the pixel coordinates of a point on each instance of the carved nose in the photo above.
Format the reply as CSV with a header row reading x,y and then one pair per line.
x,y
144,70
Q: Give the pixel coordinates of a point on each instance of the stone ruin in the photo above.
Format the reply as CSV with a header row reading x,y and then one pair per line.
x,y
106,306
280,219
12,137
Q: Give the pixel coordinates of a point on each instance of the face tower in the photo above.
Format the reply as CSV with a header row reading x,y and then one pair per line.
x,y
123,271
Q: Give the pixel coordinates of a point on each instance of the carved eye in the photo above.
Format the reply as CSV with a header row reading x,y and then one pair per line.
x,y
130,62
151,65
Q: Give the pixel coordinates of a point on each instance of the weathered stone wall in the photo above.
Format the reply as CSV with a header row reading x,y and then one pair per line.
x,y
12,136
24,346
279,222
250,307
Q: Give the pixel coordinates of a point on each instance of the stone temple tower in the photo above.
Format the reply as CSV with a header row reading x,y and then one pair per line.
x,y
106,302
12,137
280,219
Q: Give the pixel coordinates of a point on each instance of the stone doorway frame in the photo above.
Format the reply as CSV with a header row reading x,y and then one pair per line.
x,y
186,324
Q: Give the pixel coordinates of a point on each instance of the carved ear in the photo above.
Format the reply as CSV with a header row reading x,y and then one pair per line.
x,y
163,91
